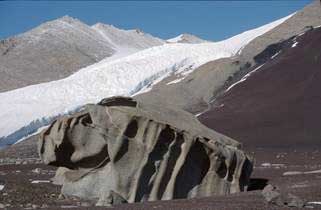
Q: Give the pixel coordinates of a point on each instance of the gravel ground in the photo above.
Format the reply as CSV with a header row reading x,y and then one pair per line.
x,y
27,184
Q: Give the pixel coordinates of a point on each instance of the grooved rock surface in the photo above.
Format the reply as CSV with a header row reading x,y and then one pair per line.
x,y
122,151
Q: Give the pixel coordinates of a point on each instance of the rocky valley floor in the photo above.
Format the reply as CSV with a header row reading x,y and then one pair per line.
x,y
263,91
27,182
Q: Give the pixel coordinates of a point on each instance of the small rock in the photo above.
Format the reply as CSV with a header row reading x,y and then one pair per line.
x,y
294,201
272,194
61,197
68,206
266,164
44,206
36,170
2,184
85,204
34,206
2,206
291,173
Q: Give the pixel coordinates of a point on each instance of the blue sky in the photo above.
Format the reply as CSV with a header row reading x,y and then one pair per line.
x,y
212,20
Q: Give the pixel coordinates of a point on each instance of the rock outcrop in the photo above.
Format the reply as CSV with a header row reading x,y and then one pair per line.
x,y
120,151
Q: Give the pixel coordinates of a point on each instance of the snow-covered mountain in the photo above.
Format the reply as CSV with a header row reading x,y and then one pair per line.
x,y
32,107
127,39
58,48
186,38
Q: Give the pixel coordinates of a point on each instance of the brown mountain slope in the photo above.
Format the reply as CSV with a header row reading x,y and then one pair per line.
x,y
278,105
198,88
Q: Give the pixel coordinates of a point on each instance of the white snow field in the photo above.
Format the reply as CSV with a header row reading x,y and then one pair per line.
x,y
25,110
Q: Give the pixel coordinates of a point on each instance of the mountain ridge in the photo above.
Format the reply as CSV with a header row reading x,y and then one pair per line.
x,y
56,49
195,91
129,75
186,38
282,115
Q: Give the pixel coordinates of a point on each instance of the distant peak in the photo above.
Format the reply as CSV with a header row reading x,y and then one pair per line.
x,y
187,35
186,38
68,19
139,31
65,19
112,27
59,26
100,25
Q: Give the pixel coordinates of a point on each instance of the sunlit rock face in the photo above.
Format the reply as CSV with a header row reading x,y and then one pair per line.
x,y
120,150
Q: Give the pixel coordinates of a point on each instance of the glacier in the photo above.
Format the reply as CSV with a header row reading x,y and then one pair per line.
x,y
25,110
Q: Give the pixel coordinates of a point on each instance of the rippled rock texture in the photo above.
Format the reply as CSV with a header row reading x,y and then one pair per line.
x,y
123,151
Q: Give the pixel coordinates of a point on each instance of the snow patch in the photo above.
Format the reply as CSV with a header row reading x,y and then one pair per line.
x,y
25,110
313,172
276,54
275,165
301,34
199,114
40,181
176,81
314,202
294,44
243,78
291,173
175,39
1,187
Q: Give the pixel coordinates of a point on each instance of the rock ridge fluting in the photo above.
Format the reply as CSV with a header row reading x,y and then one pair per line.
x,y
120,150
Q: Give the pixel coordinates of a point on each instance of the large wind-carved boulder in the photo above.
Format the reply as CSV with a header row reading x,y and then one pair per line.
x,y
124,151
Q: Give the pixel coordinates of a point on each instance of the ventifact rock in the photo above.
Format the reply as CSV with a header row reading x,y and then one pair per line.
x,y
124,151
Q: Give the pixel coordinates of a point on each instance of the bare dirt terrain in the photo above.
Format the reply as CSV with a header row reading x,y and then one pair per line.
x,y
27,183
